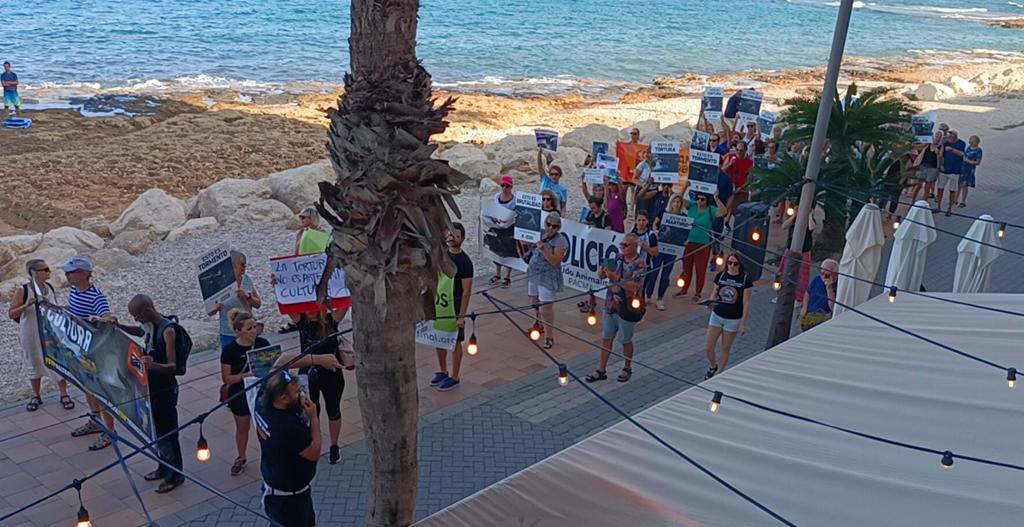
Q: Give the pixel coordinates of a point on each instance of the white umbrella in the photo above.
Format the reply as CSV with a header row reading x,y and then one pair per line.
x,y
974,260
861,256
910,248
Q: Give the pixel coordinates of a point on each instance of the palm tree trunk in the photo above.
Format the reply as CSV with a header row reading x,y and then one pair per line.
x,y
388,213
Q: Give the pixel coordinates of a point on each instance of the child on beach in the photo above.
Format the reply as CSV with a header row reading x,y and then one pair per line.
x,y
972,158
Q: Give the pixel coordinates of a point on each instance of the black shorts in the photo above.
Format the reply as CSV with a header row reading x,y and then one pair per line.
x,y
239,406
291,511
330,384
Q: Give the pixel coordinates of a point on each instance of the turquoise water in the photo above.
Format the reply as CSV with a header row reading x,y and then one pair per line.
x,y
156,43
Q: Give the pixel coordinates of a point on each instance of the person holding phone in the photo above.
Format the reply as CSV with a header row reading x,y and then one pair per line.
x,y
545,272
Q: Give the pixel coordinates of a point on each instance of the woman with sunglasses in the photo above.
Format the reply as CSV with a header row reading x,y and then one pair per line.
x,y
731,300
310,221
506,199
550,179
545,272
549,201
698,243
234,368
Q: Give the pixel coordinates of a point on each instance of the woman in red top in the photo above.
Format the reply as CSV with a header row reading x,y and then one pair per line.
x,y
737,165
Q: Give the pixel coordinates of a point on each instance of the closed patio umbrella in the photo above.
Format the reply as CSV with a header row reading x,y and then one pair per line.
x,y
974,260
861,256
910,248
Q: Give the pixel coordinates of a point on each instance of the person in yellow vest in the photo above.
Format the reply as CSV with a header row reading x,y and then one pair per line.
x,y
309,239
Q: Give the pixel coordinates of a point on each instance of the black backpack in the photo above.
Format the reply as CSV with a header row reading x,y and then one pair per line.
x,y
182,343
24,297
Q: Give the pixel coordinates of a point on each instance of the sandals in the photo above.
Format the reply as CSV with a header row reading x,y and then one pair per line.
x,y
506,283
34,403
168,486
155,475
626,374
494,280
584,306
549,343
962,205
710,373
100,443
238,466
67,402
598,375
86,429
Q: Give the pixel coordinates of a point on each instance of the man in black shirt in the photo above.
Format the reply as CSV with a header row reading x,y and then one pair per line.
x,y
160,361
462,289
596,215
289,434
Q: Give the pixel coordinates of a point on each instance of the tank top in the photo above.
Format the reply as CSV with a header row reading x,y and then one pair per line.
x,y
930,160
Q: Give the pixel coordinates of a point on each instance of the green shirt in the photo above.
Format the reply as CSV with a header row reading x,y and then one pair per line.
x,y
703,224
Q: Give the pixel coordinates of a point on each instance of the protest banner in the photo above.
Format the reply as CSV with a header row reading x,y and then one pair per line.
x,y
443,330
666,161
766,123
597,148
713,96
748,109
99,359
496,227
216,275
297,279
261,360
609,164
703,171
700,140
629,154
593,176
546,139
924,126
313,241
673,232
528,226
588,248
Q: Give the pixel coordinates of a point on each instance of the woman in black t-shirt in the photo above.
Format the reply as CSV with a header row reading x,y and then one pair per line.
x,y
234,367
315,333
731,300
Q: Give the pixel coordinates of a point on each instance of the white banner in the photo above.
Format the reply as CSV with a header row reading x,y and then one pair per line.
x,y
704,171
924,126
298,276
666,161
673,232
428,335
528,226
588,248
496,235
216,275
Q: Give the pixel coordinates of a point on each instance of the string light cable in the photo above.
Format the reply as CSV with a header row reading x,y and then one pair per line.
x,y
562,367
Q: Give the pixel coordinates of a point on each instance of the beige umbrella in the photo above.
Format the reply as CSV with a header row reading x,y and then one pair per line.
x,y
910,248
974,259
861,256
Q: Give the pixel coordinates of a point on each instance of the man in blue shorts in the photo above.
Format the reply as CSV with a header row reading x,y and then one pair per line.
x,y
9,79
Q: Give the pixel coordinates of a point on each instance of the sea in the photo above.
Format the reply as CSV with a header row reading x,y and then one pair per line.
x,y
531,47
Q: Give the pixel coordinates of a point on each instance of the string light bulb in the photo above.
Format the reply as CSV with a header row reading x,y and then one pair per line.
x,y
83,517
203,449
896,222
1002,230
591,317
563,375
947,460
790,211
636,302
777,283
681,282
716,402
471,347
1011,378
719,259
892,294
536,331
756,235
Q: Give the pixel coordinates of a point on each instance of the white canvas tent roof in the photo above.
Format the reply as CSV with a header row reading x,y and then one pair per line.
x,y
850,372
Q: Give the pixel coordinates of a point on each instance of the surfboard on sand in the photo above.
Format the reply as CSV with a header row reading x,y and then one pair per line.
x,y
17,122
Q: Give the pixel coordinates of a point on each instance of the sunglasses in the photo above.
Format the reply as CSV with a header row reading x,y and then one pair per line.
x,y
553,225
303,217
556,173
43,270
546,199
506,185
733,263
702,198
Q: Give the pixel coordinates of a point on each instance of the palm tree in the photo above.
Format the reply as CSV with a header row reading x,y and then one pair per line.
x,y
389,217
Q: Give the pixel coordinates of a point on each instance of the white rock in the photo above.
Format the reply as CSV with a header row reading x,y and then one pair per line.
x,y
260,211
6,256
583,138
134,242
204,333
681,132
298,188
470,160
933,91
225,197
7,288
97,225
153,210
192,207
112,259
462,152
21,243
1010,79
962,85
510,146
647,128
521,161
191,227
53,256
570,159
479,168
77,239
488,186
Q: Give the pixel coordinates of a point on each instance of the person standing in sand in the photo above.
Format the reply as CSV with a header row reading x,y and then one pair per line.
x,y
9,80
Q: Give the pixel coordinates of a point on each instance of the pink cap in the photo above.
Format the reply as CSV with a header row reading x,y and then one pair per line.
x,y
506,180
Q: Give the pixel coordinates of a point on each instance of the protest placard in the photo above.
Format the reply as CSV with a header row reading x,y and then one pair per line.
x,y
665,156
609,164
546,139
766,123
924,126
673,232
599,147
593,176
588,248
528,226
99,359
297,279
703,171
216,275
700,140
261,360
750,103
496,227
713,96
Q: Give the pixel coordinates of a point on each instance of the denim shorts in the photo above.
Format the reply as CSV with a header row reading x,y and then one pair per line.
x,y
928,174
542,293
612,323
967,180
732,325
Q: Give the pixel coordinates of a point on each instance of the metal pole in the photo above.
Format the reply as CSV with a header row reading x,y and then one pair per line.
x,y
783,318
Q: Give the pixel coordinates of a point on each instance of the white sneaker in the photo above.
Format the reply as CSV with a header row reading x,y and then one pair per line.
x,y
660,305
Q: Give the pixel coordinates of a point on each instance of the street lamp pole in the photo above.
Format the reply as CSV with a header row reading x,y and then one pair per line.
x,y
783,318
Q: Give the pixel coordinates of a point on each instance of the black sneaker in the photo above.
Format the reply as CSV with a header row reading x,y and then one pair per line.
x,y
335,455
711,373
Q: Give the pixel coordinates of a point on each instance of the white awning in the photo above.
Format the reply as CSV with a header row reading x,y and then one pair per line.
x,y
851,372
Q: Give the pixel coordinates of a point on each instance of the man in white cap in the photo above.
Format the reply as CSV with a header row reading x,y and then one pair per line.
x,y
87,302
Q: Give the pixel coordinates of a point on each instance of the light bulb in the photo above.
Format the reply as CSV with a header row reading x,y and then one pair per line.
x,y
716,402
591,317
896,223
1002,230
756,235
892,294
203,450
1011,377
790,211
535,331
719,259
83,517
680,282
947,460
776,284
563,375
636,303
472,347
